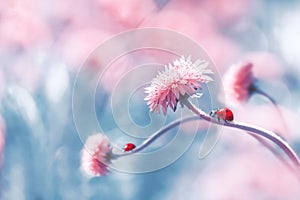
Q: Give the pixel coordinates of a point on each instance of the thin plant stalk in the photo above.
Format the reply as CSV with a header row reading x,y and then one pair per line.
x,y
275,153
256,90
156,135
286,148
172,125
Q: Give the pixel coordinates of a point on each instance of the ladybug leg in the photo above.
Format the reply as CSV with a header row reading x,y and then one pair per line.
x,y
212,113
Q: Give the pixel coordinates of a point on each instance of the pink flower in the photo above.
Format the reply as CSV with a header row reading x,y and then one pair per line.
x,y
176,83
33,30
190,14
266,65
238,82
95,155
226,14
130,13
87,39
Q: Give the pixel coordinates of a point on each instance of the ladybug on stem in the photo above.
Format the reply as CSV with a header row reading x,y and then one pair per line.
x,y
222,113
128,147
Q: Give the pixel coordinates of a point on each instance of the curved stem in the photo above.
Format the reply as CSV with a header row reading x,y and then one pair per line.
x,y
273,102
259,91
251,128
203,115
254,131
273,150
159,133
156,135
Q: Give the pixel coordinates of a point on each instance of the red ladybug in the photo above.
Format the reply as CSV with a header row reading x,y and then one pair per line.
x,y
223,113
128,147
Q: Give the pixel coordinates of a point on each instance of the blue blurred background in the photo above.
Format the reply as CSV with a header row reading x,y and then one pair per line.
x,y
44,43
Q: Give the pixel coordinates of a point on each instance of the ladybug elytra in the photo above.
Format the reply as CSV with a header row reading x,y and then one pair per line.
x,y
223,113
128,147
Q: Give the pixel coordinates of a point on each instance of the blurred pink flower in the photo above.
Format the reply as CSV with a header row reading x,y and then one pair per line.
x,y
88,40
194,21
177,82
185,22
129,14
265,64
24,27
190,21
220,11
226,13
221,49
95,155
238,81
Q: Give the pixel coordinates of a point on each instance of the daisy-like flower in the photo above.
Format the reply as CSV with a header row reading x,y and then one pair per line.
x,y
239,85
239,82
95,155
176,83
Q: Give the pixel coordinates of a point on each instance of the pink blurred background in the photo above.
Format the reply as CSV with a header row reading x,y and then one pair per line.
x,y
44,43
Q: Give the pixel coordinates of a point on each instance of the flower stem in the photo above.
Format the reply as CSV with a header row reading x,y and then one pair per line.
x,y
273,102
156,135
159,133
275,153
251,128
255,131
